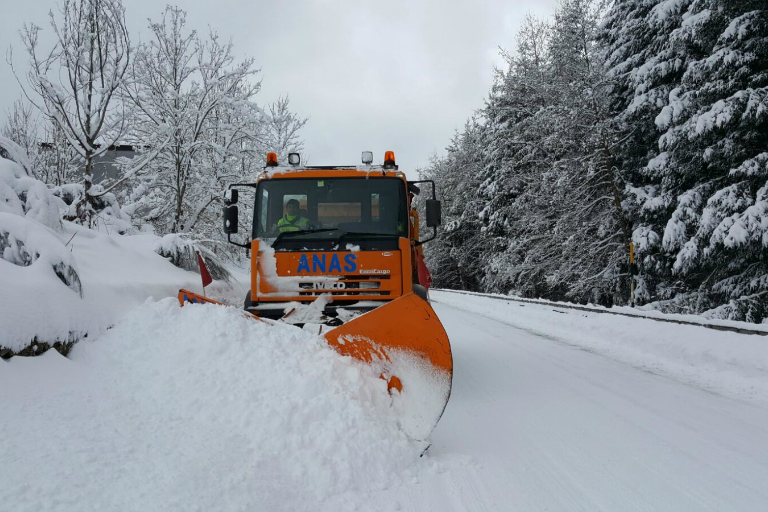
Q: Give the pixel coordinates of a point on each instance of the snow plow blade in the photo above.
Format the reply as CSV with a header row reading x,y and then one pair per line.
x,y
405,341
406,344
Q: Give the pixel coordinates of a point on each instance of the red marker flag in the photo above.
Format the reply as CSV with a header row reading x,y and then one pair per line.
x,y
425,278
204,271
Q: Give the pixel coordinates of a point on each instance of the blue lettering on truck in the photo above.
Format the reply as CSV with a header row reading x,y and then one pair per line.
x,y
320,264
303,264
350,263
335,265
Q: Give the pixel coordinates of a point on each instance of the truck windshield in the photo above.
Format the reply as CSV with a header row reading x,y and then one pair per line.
x,y
311,206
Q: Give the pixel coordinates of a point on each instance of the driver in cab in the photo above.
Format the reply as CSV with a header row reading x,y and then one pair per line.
x,y
292,220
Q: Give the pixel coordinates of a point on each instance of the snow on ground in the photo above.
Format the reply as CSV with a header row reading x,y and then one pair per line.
x,y
117,274
548,423
202,408
723,362
195,408
63,282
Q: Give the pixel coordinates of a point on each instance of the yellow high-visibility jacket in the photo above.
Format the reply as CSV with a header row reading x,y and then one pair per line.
x,y
297,223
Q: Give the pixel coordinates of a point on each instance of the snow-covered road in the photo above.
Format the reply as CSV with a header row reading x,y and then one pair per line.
x,y
535,423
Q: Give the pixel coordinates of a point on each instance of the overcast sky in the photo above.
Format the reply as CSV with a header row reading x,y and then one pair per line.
x,y
370,75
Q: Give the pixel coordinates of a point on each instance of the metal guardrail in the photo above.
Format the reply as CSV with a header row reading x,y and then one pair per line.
x,y
728,328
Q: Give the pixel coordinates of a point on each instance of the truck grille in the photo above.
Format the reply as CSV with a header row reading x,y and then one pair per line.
x,y
346,285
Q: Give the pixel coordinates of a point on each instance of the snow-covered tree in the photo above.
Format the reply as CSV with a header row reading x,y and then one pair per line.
x,y
58,161
77,80
695,82
553,194
195,120
22,127
715,156
512,188
281,132
51,159
644,123
457,256
593,222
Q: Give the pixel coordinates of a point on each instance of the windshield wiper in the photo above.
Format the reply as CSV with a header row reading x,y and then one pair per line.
x,y
347,234
286,234
342,235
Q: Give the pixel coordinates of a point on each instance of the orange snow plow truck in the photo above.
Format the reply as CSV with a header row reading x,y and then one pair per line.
x,y
337,249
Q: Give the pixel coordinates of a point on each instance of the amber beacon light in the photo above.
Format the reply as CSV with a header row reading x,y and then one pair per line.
x,y
389,158
271,159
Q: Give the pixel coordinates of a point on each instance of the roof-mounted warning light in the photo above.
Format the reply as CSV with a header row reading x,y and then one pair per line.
x,y
294,159
271,159
367,157
389,159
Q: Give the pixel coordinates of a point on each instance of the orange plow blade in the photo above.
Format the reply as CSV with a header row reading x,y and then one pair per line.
x,y
405,341
195,298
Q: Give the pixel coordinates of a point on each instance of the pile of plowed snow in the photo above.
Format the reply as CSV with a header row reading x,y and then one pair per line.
x,y
195,408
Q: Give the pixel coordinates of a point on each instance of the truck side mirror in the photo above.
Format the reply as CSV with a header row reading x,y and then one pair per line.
x,y
434,215
230,218
230,196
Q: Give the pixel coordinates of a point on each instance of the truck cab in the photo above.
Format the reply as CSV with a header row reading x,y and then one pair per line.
x,y
346,233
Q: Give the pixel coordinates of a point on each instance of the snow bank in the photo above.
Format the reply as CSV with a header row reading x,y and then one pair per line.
x,y
109,216
196,408
182,253
645,311
116,273
16,153
27,197
25,243
61,282
724,362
